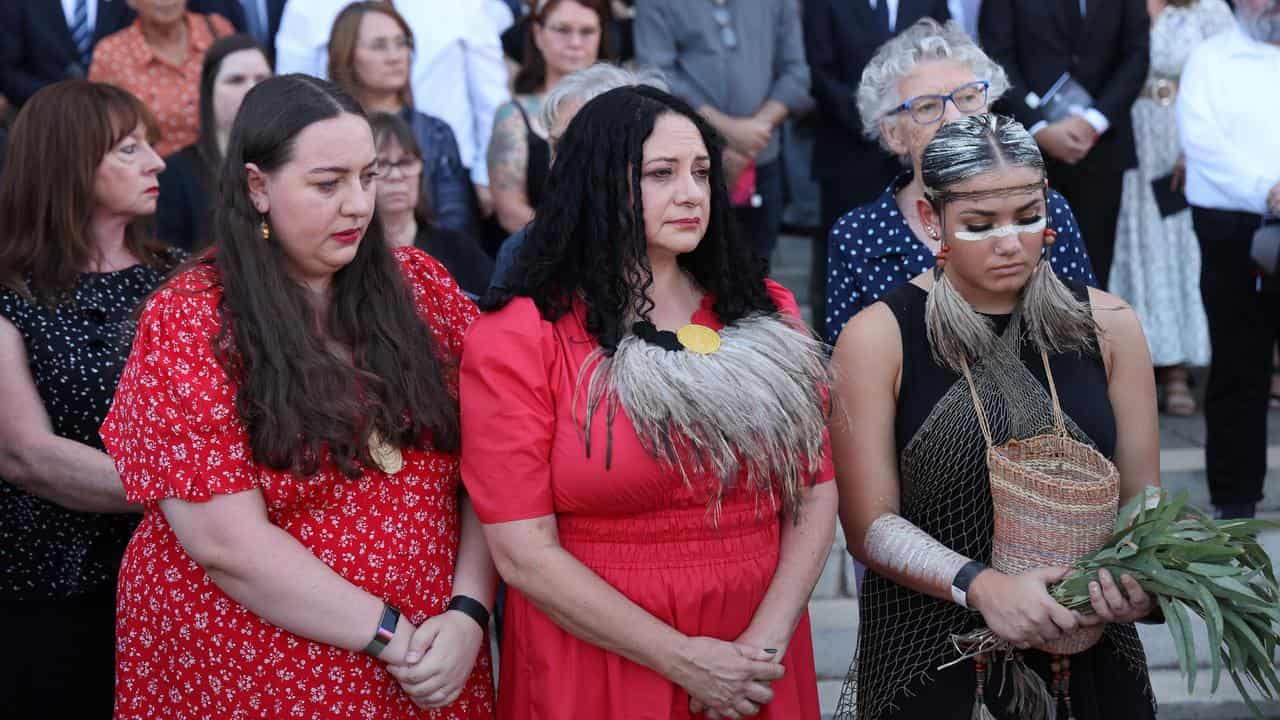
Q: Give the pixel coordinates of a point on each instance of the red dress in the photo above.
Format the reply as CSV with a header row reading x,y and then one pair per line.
x,y
636,525
184,649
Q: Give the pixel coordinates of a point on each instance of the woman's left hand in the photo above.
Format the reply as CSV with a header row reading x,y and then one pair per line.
x,y
439,661
1113,605
754,639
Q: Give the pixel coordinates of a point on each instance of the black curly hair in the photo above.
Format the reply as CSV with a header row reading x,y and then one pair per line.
x,y
588,238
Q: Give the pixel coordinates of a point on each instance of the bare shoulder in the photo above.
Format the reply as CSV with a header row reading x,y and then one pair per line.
x,y
1116,318
1120,336
871,342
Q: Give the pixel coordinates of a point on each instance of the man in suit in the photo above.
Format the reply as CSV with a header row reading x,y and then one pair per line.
x,y
45,41
840,38
1103,45
258,18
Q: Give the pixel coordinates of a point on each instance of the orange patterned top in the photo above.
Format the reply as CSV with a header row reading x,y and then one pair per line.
x,y
171,92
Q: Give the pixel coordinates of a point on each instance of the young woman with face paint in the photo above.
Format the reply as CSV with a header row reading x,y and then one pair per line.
x,y
915,498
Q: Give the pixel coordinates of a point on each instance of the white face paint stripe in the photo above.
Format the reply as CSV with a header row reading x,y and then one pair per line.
x,y
1002,231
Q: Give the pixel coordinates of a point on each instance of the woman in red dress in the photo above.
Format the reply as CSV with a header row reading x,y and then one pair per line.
x,y
288,419
657,501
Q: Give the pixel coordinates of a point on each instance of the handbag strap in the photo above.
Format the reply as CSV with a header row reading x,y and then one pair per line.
x,y
1059,421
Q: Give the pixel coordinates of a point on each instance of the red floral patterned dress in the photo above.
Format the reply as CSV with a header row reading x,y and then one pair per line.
x,y
187,650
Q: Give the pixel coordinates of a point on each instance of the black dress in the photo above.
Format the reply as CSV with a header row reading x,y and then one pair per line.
x,y
469,265
58,567
945,491
182,210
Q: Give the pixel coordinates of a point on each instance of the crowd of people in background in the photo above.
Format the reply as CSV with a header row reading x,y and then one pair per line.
x,y
318,318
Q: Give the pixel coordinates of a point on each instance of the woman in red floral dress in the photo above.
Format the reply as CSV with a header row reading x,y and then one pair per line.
x,y
288,417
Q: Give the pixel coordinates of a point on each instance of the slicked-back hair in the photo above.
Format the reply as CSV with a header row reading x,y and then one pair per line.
x,y
973,146
297,399
1054,319
56,145
588,240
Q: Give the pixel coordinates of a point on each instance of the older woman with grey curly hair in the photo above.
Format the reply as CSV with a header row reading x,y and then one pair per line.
x,y
929,75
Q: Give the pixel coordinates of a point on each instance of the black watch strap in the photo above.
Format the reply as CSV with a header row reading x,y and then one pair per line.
x,y
386,630
472,608
963,579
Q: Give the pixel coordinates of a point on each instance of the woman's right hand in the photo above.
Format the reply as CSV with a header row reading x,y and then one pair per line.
x,y
730,678
1019,609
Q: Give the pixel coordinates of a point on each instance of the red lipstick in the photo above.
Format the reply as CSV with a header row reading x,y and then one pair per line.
x,y
347,237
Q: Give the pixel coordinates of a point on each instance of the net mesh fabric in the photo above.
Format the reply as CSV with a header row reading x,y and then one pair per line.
x,y
904,635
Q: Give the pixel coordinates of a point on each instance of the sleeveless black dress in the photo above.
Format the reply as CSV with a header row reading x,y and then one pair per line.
x,y
903,634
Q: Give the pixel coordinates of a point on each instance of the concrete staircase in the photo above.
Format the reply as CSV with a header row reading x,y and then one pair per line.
x,y
834,607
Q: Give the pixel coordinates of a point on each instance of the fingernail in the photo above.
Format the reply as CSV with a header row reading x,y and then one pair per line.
x,y
1093,587
771,651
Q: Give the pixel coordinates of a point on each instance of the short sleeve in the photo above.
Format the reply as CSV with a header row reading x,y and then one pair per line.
x,y
439,300
508,414
787,305
1069,257
173,429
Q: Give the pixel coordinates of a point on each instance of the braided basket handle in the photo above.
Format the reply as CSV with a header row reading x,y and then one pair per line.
x,y
979,410
1059,422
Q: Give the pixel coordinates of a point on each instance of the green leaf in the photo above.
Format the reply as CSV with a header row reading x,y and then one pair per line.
x,y
1212,615
1179,626
1214,569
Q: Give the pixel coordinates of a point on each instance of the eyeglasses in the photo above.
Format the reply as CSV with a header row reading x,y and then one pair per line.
x,y
398,44
407,165
929,109
720,13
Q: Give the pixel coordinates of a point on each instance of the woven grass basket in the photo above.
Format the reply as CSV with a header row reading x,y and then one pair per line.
x,y
1055,501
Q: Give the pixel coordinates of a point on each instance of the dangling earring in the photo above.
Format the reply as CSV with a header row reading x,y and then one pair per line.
x,y
266,230
940,257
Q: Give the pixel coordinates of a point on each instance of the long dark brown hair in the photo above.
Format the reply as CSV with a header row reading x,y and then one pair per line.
x,y
533,71
47,199
207,144
297,399
345,36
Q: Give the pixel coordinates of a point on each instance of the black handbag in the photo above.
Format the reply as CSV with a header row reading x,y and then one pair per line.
x,y
1264,249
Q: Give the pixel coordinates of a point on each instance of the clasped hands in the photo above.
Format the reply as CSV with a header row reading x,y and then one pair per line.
x,y
439,658
1068,140
1020,610
727,679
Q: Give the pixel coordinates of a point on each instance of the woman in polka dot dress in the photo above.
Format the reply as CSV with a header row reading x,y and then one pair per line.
x,y
75,263
929,75
288,418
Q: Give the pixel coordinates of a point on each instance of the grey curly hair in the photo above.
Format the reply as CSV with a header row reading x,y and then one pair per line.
x,y
926,41
586,84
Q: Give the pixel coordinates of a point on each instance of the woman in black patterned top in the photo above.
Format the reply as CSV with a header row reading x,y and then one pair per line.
x,y
74,264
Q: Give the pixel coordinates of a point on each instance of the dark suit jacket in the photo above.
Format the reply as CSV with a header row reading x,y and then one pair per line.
x,y
182,210
840,37
1035,42
232,10
36,48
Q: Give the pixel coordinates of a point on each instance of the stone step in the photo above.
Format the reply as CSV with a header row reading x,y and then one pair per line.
x,y
835,624
1170,691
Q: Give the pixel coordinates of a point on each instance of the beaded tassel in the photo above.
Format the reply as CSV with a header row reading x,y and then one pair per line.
x,y
980,709
1061,667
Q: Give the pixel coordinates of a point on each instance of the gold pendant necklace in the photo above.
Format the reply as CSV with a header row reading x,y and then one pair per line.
x,y
698,338
385,455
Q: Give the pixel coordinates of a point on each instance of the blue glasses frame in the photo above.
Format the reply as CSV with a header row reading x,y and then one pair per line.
x,y
942,103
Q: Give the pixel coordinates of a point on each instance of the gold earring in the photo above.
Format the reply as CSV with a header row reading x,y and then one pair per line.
x,y
266,230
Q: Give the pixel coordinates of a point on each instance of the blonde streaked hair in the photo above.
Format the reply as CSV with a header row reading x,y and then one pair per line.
x,y
1053,317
